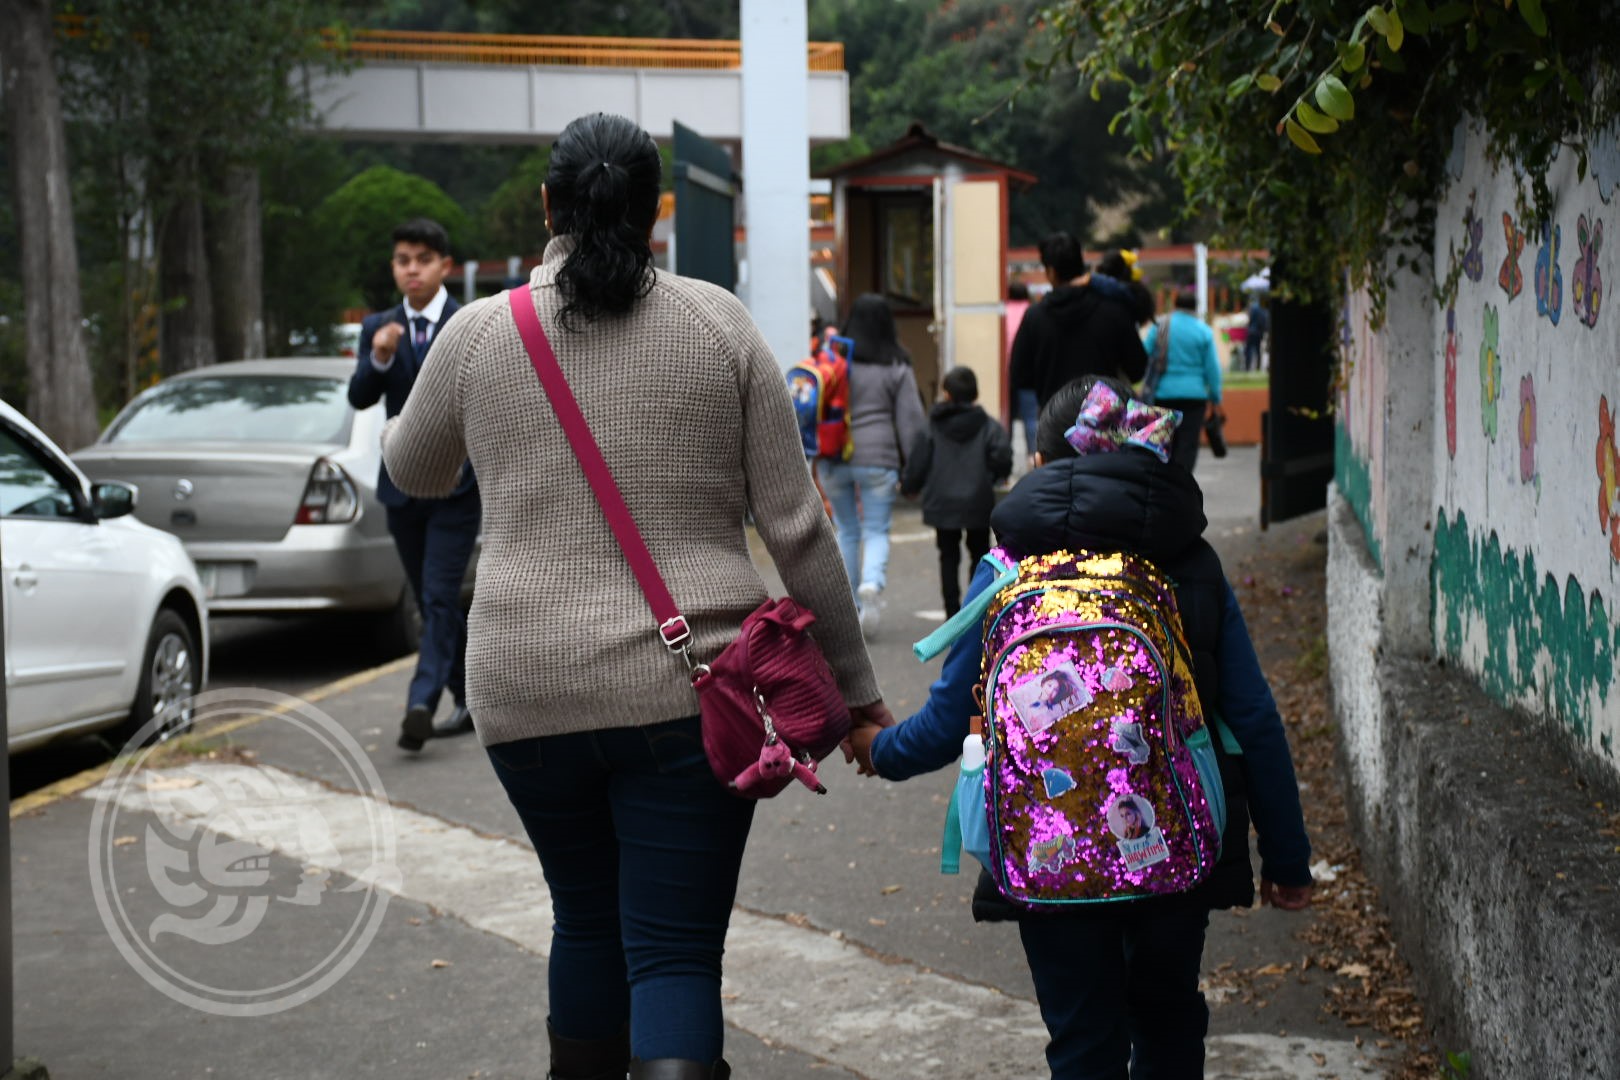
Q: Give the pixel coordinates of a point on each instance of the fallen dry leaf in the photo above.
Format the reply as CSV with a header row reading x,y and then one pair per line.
x,y
890,890
159,782
125,841
439,964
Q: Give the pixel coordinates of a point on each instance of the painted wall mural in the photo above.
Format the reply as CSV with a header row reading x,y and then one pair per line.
x,y
1586,285
1525,582
1511,277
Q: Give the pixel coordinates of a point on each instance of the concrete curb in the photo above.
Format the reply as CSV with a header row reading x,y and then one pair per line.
x,y
1485,839
72,785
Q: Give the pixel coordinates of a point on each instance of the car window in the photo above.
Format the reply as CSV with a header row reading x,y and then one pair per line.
x,y
28,488
239,408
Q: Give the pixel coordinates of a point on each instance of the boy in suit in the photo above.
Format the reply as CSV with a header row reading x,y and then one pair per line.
x,y
434,537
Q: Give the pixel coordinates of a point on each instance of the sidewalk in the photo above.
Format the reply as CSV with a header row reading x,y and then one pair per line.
x,y
850,955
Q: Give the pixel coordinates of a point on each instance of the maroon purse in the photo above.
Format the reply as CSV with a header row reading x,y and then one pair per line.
x,y
770,704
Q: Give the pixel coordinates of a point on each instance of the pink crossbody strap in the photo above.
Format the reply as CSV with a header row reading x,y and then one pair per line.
x,y
672,628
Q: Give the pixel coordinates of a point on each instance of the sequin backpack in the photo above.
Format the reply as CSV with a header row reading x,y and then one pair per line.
x,y
1099,782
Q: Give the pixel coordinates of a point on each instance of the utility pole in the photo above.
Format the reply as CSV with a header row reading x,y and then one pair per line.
x,y
776,171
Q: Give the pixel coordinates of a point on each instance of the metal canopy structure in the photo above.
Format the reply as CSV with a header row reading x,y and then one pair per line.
x,y
516,88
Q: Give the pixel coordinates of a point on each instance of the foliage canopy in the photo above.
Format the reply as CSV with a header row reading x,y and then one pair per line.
x,y
356,220
1323,126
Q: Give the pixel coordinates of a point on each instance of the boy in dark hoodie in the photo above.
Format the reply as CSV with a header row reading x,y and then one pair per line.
x,y
956,465
1117,496
1085,326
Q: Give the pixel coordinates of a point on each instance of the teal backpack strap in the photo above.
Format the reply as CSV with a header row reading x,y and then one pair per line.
x,y
1229,741
950,846
971,615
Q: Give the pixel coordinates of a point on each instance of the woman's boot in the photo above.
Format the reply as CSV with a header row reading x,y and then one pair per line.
x,y
589,1059
677,1069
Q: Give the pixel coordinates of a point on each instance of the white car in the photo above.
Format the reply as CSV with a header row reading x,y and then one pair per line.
x,y
105,620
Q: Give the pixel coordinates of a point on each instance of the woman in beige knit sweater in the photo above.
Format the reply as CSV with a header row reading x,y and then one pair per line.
x,y
590,723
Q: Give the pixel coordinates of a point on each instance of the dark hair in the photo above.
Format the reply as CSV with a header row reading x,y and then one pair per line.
x,y
1186,300
1114,265
870,324
425,231
1143,305
961,385
1062,254
1059,413
1018,291
602,188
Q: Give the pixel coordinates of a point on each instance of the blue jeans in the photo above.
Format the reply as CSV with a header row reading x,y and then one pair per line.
x,y
640,846
1029,412
862,524
1115,981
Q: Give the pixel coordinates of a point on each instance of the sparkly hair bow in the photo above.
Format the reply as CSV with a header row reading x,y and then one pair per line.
x,y
1130,260
1108,422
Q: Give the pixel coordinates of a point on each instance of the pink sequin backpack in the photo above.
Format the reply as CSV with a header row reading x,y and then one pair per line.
x,y
1100,782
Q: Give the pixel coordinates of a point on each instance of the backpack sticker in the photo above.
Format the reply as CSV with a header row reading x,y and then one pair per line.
x,y
1126,738
1058,782
1116,681
1046,697
1051,856
1141,844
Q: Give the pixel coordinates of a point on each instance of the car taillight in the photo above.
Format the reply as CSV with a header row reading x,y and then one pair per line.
x,y
330,497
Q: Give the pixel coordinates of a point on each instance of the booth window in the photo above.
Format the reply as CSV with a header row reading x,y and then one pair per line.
x,y
906,232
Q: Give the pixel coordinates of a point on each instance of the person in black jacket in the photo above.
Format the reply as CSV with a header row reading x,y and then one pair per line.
x,y
1078,329
956,464
1083,958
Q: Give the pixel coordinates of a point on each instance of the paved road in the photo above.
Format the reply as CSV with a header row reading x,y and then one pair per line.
x,y
850,955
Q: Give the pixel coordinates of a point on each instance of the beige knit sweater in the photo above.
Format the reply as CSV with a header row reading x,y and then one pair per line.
x,y
693,416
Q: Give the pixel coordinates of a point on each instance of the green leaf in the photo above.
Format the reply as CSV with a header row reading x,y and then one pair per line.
x,y
1378,19
1417,17
1281,189
1315,121
1335,99
1239,86
1531,10
1452,13
1301,138
1140,130
1268,82
1572,85
1354,56
1397,31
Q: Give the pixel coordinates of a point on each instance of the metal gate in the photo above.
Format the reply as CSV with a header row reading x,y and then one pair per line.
x,y
1296,452
705,218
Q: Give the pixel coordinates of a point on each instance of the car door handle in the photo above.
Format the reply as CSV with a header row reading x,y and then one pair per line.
x,y
24,577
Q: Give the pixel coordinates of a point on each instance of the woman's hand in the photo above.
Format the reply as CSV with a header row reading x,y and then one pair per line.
x,y
865,722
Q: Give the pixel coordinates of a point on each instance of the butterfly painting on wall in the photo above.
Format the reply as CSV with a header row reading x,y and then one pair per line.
x,y
1586,284
1549,278
1473,262
1511,277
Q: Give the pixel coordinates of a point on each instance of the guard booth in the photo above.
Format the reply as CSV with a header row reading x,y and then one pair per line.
x,y
924,224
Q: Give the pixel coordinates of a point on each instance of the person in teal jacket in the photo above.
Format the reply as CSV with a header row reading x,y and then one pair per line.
x,y
1190,381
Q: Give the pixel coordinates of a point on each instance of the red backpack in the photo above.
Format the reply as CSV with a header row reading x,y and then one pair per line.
x,y
819,385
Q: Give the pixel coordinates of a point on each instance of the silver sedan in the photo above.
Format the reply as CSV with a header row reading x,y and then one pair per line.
x,y
269,478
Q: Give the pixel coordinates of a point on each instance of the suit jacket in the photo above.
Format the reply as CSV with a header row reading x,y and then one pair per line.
x,y
368,386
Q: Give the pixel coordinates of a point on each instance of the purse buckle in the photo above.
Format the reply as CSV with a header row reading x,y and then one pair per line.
x,y
676,635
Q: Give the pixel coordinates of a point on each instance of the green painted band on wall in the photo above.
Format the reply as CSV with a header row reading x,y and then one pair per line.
x,y
1476,579
1354,480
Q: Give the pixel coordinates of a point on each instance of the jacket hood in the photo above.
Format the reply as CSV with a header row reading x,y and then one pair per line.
x,y
956,422
1124,501
1072,304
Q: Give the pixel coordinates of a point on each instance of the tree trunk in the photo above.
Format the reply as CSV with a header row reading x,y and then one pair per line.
x,y
188,301
236,263
61,396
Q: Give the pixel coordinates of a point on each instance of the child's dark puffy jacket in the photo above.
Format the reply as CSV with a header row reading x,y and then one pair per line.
x,y
1131,501
956,464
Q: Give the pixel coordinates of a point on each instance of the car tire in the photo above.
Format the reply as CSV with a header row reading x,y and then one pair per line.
x,y
398,631
168,680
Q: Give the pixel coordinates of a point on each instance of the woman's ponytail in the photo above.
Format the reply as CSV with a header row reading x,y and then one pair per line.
x,y
603,185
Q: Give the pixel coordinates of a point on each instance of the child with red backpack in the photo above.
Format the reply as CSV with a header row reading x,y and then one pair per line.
x,y
1108,832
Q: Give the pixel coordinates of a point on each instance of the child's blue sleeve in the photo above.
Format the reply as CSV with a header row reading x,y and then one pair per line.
x,y
1111,287
932,739
1249,710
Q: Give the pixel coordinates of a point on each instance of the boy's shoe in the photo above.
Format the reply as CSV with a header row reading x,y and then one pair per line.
x,y
416,729
871,607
